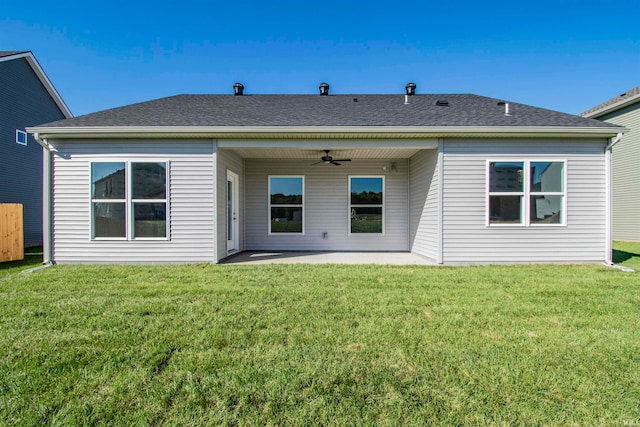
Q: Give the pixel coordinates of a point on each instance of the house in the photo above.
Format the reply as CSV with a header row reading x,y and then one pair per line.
x,y
27,98
624,110
456,178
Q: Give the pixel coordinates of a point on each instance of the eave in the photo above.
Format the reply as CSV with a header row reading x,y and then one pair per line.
x,y
611,108
322,132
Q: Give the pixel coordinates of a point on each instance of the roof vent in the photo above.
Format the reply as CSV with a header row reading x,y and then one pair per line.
x,y
411,89
507,109
442,103
324,89
238,89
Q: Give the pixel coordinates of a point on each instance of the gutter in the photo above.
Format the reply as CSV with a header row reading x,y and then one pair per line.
x,y
47,149
609,199
322,132
617,139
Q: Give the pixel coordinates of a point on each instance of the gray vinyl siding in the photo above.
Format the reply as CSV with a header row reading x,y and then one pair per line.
x,y
228,160
424,209
326,202
24,102
626,174
191,199
467,238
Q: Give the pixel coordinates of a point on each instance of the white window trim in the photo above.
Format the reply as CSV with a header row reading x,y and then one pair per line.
x,y
23,133
525,206
384,195
277,205
129,202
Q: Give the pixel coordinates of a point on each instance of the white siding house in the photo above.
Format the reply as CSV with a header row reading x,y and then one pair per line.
x,y
197,178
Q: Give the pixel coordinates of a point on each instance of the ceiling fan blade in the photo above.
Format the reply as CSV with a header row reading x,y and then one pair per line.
x,y
317,163
333,162
341,160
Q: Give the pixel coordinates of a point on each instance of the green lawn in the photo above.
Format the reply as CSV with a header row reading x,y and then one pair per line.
x,y
627,254
320,345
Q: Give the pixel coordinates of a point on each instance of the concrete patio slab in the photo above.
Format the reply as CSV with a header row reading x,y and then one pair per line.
x,y
287,257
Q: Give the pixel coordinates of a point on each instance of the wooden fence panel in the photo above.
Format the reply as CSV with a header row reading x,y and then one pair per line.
x,y
11,232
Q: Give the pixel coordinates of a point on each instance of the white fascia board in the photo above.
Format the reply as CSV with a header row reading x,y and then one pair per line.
x,y
37,69
613,107
322,132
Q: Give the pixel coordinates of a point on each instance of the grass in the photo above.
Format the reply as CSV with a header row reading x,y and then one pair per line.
x,y
320,345
627,254
32,258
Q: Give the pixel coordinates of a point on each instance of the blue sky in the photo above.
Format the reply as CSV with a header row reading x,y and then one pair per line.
x,y
562,55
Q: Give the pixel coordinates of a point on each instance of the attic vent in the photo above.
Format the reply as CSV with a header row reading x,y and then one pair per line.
x,y
442,103
507,109
324,89
410,88
238,89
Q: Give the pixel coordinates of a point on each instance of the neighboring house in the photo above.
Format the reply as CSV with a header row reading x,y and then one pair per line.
x,y
27,98
455,178
624,110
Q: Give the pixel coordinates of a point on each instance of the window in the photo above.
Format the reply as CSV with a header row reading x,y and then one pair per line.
x,y
129,200
546,192
21,137
366,205
526,193
286,205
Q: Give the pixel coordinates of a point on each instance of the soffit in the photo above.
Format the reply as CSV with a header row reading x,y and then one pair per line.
x,y
316,153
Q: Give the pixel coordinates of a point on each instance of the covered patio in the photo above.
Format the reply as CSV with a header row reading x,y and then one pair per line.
x,y
327,257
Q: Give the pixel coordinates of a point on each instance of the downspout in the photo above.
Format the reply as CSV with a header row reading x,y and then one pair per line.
x,y
609,208
46,198
440,166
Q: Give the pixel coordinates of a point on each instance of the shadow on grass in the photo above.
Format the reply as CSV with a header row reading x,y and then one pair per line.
x,y
32,258
622,256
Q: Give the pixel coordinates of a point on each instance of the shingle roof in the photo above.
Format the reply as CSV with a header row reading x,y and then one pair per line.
x,y
333,110
613,102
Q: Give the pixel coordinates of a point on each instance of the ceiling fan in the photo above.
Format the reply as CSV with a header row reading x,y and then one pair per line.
x,y
329,159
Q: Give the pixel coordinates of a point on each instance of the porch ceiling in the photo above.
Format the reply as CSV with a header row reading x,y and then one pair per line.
x,y
316,153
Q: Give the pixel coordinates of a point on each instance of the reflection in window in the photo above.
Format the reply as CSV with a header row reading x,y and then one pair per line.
x,y
149,219
543,197
547,197
109,219
505,209
118,201
506,192
366,205
108,180
505,177
286,213
108,199
149,182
